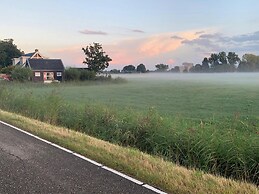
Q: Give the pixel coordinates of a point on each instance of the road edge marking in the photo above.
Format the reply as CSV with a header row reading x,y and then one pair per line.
x,y
86,159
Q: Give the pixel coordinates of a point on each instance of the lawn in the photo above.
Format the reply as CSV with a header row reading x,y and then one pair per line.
x,y
190,96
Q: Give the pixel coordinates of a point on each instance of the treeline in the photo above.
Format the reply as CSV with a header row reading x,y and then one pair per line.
x,y
217,62
230,62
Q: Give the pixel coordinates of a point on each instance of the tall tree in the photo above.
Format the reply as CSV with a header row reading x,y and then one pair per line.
x,y
222,58
214,60
128,69
141,68
233,58
205,65
95,57
161,67
8,51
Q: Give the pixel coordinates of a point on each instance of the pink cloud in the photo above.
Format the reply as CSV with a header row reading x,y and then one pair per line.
x,y
92,32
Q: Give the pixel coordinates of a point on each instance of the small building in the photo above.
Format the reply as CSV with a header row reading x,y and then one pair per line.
x,y
44,69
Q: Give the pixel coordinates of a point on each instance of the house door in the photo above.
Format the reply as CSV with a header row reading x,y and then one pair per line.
x,y
48,76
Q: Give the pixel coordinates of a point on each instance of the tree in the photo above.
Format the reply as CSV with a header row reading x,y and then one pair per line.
x,y
21,74
249,62
222,58
95,57
161,67
214,60
8,51
128,69
233,58
196,69
205,65
141,68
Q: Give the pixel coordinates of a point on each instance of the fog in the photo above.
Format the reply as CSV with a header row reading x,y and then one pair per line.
x,y
220,78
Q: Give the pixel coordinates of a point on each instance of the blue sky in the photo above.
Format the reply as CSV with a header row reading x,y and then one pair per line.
x,y
132,31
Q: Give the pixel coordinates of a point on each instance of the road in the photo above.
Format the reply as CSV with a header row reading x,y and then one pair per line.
x,y
29,165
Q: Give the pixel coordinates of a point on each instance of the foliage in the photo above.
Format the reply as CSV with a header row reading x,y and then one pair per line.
x,y
129,69
8,50
7,70
115,71
141,68
161,67
21,74
175,69
95,57
72,74
87,75
249,63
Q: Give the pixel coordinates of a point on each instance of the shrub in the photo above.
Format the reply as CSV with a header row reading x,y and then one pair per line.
x,y
87,75
7,70
21,74
72,74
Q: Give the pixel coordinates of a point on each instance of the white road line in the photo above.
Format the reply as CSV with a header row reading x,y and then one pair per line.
x,y
123,175
153,189
87,159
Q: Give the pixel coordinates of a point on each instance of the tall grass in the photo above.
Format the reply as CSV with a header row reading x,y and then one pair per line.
x,y
229,148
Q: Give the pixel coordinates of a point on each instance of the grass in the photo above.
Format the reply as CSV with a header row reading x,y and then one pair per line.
x,y
209,124
152,170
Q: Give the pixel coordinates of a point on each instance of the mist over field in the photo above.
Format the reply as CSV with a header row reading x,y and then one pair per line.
x,y
215,78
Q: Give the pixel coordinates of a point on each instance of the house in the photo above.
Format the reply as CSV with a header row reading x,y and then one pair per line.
x,y
44,69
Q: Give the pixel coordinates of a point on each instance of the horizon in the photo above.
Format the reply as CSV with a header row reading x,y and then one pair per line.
x,y
133,32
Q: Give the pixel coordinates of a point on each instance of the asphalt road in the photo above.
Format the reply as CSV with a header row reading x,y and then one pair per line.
x,y
28,165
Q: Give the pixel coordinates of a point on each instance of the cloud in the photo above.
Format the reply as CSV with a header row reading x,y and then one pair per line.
x,y
138,31
92,32
176,37
216,42
247,37
199,32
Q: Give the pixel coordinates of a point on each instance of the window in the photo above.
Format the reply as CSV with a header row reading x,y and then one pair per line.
x,y
59,74
37,74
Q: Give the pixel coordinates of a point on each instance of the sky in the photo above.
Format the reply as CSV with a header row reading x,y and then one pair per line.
x,y
132,31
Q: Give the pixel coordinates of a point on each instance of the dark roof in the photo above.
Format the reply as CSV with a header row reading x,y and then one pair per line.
x,y
46,64
29,54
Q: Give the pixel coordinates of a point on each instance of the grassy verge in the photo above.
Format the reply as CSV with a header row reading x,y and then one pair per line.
x,y
152,170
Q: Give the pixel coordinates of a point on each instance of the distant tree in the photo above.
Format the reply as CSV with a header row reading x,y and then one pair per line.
x,y
205,65
129,69
222,57
233,58
141,68
95,57
177,69
115,71
161,67
249,63
196,69
214,60
8,51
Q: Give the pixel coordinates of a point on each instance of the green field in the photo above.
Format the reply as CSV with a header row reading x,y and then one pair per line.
x,y
205,121
189,96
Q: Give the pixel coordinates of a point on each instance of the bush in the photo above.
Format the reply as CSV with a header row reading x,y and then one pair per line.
x,y
87,75
21,74
72,74
7,70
